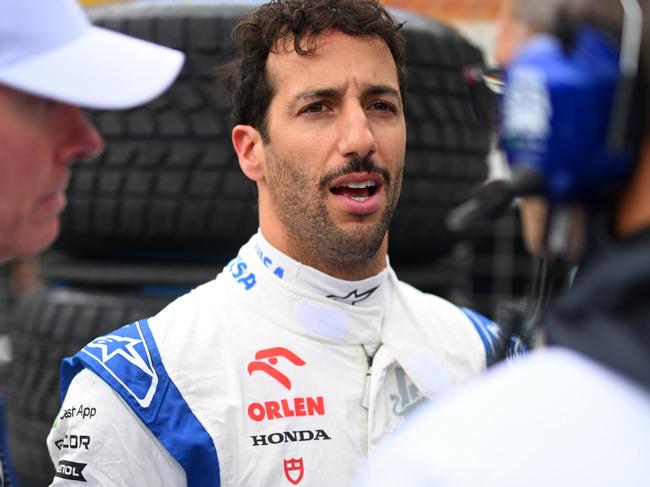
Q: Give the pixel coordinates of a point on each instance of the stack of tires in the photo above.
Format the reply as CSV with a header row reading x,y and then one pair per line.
x,y
166,206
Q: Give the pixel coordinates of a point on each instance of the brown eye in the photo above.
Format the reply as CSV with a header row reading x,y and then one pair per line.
x,y
314,108
382,106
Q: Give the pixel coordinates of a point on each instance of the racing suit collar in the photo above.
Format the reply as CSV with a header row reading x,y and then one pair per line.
x,y
365,293
299,306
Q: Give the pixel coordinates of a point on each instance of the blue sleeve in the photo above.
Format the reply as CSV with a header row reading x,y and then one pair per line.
x,y
492,337
128,360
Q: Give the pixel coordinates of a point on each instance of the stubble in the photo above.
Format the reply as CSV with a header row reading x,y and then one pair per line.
x,y
317,240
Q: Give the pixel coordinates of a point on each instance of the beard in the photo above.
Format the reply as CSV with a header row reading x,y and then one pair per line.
x,y
304,215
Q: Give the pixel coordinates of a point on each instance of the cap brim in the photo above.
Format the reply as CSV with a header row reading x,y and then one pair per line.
x,y
101,69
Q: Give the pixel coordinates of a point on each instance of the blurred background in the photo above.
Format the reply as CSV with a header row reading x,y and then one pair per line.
x,y
165,206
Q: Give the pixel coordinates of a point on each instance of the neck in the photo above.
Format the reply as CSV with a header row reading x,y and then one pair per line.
x,y
343,267
362,293
633,212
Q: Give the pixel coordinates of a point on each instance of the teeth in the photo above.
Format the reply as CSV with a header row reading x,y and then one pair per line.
x,y
359,198
360,185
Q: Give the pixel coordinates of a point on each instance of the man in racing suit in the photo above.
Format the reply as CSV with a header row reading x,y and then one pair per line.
x,y
52,62
292,364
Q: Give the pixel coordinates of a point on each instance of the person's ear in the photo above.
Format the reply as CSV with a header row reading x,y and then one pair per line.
x,y
248,145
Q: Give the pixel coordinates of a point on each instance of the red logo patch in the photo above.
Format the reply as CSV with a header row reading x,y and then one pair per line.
x,y
294,470
265,359
286,408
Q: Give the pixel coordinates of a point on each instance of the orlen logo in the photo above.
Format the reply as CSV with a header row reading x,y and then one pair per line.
x,y
286,408
271,356
295,406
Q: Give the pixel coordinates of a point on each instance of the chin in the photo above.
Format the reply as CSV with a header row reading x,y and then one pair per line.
x,y
38,239
359,221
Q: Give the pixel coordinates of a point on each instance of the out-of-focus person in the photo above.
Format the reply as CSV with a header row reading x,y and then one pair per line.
x,y
53,62
576,412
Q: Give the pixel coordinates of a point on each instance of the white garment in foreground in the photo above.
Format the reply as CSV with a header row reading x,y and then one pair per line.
x,y
556,419
259,378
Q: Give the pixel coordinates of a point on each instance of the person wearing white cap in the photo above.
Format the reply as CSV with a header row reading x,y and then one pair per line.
x,y
52,62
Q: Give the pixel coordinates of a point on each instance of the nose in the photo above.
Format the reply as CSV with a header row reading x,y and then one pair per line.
x,y
357,139
77,138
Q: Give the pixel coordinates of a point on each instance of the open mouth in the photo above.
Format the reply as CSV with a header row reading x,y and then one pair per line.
x,y
357,190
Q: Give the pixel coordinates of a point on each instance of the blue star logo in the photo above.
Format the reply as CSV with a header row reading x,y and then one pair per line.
x,y
111,346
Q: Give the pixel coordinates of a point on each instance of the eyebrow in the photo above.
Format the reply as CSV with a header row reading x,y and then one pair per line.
x,y
382,90
317,93
334,91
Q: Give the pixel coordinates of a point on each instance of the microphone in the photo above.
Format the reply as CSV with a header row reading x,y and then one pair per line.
x,y
494,198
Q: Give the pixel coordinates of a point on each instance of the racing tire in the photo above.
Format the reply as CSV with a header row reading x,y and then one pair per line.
x,y
168,184
48,325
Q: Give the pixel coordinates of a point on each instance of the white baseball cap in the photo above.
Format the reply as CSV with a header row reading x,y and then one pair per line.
x,y
49,48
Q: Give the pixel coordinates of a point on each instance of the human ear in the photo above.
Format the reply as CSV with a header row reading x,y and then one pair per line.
x,y
248,145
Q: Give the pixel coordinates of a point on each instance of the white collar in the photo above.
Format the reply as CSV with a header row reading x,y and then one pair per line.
x,y
363,293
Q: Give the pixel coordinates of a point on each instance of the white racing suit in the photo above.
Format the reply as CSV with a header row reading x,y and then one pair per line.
x,y
273,374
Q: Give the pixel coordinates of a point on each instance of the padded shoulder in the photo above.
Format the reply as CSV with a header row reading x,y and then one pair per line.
x,y
128,360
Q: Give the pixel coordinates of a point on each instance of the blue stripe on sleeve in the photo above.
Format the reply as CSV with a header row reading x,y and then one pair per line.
x,y
488,330
129,361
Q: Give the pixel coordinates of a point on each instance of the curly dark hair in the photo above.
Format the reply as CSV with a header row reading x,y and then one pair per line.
x,y
301,21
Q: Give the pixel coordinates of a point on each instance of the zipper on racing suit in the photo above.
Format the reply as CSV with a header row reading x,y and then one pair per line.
x,y
365,398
